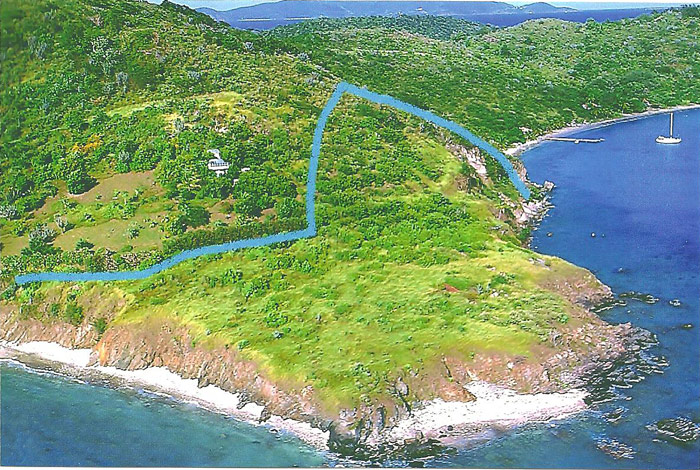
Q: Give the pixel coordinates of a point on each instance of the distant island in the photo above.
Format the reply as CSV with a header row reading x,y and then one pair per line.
x,y
269,15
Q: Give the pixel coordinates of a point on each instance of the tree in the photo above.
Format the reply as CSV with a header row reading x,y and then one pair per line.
x,y
288,208
103,55
195,216
73,313
83,244
75,173
248,205
40,239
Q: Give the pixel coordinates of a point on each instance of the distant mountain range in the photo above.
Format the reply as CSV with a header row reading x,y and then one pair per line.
x,y
270,15
288,9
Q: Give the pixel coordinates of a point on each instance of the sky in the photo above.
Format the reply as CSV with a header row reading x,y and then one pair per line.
x,y
222,5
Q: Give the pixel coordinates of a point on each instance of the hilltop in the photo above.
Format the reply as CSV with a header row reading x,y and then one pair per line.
x,y
435,27
420,278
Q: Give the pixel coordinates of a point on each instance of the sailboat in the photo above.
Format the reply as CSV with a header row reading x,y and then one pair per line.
x,y
662,139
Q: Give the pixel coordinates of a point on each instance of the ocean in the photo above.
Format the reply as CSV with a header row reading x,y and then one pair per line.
x,y
642,202
53,420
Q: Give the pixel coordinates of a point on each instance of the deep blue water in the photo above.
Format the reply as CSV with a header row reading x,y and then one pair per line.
x,y
641,199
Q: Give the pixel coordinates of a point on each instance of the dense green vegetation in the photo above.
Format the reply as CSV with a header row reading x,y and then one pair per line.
x,y
366,300
88,96
108,108
436,27
513,84
94,90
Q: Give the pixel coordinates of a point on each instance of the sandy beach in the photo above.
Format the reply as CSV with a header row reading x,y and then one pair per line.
x,y
494,406
520,148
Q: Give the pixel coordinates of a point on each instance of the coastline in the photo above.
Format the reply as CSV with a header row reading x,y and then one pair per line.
x,y
518,149
74,362
438,420
447,422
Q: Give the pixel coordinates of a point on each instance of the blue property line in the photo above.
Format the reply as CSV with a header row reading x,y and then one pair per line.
x,y
310,231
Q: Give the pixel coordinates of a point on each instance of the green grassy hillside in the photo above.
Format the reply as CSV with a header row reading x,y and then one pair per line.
x,y
108,110
411,264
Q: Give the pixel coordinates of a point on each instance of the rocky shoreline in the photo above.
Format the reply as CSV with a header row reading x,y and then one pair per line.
x,y
433,424
429,413
497,392
42,355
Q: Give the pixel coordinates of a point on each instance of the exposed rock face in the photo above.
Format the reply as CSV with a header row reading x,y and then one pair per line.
x,y
569,358
65,334
584,352
586,291
522,212
160,344
472,157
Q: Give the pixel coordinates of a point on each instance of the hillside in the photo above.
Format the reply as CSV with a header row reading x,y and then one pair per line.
x,y
435,27
517,83
113,118
419,278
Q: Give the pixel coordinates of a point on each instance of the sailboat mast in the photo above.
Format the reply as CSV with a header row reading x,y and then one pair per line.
x,y
671,131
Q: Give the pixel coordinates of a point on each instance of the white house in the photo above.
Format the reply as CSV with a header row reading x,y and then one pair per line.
x,y
217,164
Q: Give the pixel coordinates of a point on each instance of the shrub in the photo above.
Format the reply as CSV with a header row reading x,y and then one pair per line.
x,y
40,239
133,230
73,313
194,216
100,325
83,244
289,208
54,310
9,212
62,223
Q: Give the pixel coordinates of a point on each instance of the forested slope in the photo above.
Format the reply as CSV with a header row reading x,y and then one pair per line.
x,y
513,84
96,90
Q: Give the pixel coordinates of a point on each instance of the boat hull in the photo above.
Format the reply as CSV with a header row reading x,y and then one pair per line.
x,y
667,140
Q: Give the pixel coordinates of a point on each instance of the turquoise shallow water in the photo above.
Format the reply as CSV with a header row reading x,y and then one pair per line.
x,y
48,419
643,202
